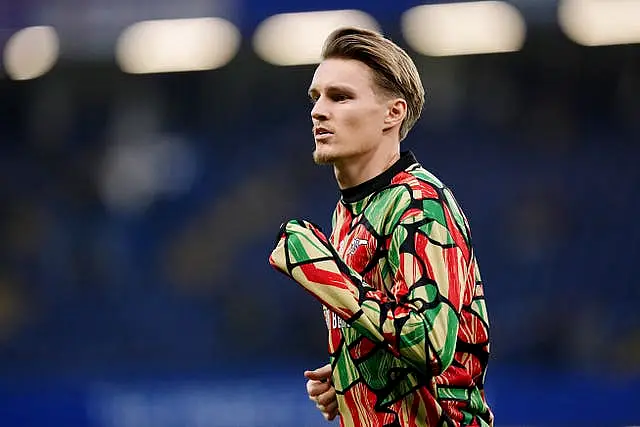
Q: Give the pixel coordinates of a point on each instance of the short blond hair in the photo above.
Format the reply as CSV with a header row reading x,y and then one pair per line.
x,y
394,72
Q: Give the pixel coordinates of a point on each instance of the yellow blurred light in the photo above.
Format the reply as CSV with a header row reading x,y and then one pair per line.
x,y
600,22
31,52
297,38
174,45
464,28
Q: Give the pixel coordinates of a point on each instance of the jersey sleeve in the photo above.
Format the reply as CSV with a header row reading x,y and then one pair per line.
x,y
419,322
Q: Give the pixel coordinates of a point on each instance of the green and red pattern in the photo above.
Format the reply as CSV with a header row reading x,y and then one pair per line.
x,y
403,298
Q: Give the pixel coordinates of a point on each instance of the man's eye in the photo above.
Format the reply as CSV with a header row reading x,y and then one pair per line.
x,y
340,98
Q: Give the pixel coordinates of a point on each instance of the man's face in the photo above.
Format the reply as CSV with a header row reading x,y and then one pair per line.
x,y
348,116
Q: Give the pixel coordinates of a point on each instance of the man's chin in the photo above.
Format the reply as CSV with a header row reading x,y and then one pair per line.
x,y
323,158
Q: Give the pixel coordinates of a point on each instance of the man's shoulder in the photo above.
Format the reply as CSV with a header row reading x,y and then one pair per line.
x,y
419,182
406,188
407,191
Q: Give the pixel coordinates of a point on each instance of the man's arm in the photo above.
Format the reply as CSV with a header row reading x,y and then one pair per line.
x,y
420,322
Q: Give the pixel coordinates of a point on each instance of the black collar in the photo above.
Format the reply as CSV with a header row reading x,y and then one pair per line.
x,y
360,191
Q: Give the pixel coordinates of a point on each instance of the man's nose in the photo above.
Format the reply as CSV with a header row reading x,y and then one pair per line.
x,y
319,110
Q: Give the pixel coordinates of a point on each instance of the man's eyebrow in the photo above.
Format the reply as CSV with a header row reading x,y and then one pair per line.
x,y
332,88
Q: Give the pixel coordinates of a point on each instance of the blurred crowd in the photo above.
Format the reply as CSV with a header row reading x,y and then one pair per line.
x,y
137,212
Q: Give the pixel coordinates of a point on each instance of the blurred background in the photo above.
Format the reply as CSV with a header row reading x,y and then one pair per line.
x,y
149,151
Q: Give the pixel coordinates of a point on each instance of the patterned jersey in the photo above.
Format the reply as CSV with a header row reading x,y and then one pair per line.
x,y
403,298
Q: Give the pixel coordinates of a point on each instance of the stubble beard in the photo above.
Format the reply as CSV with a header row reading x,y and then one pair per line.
x,y
322,158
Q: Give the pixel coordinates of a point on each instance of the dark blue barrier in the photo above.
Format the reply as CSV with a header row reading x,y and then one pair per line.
x,y
519,397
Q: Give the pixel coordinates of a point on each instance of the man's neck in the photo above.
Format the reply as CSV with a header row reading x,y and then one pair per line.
x,y
355,171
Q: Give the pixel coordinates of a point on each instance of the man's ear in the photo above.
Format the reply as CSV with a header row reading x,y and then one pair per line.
x,y
396,112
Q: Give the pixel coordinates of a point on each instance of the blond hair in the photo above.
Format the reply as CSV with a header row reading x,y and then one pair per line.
x,y
393,70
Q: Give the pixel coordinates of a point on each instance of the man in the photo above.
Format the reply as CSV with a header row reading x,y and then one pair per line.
x,y
398,278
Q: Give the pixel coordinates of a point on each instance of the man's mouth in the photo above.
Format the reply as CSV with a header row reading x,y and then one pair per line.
x,y
320,131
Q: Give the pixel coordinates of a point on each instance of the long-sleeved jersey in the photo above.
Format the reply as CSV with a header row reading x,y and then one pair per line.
x,y
403,298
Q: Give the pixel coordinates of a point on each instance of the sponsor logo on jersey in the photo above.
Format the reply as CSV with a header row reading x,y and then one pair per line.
x,y
333,321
